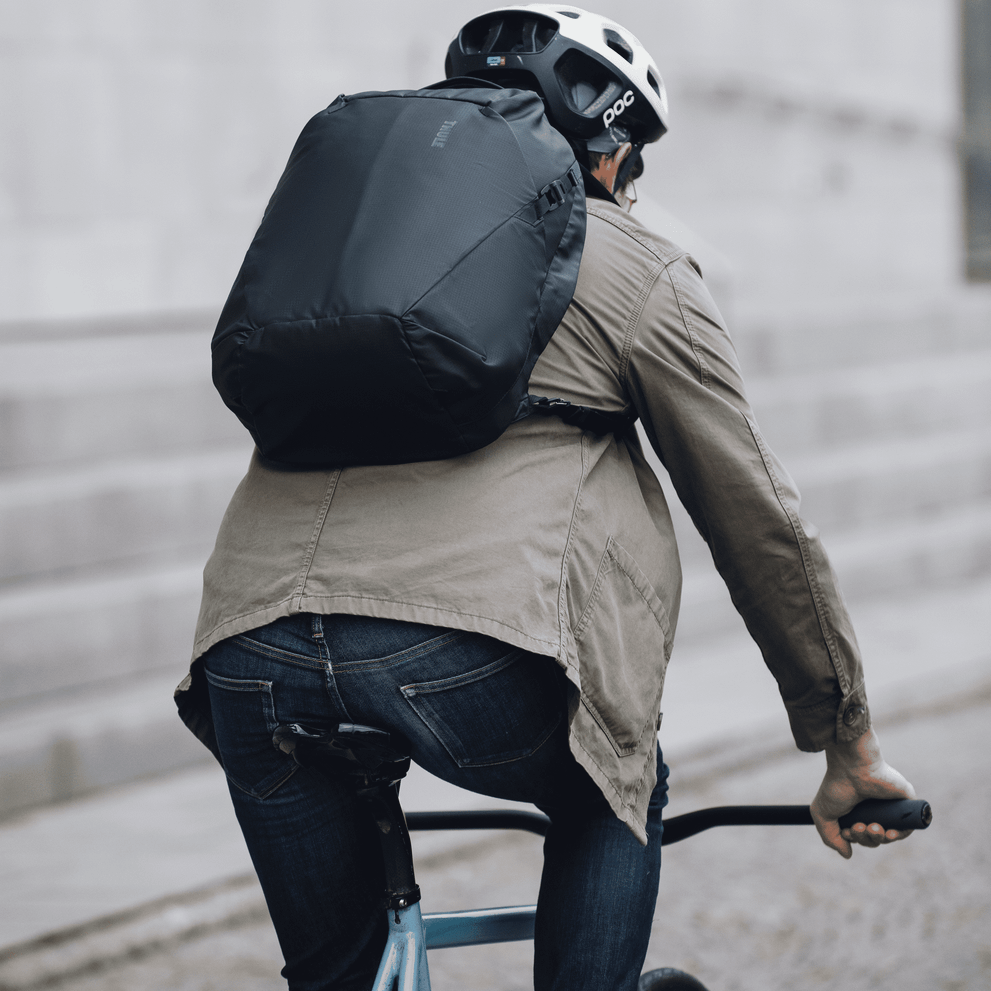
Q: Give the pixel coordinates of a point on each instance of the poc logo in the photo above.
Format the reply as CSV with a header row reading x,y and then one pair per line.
x,y
618,107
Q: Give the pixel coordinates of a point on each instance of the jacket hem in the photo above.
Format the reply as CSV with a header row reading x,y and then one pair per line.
x,y
358,605
635,822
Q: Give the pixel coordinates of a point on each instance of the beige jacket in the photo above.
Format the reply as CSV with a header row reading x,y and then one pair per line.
x,y
560,542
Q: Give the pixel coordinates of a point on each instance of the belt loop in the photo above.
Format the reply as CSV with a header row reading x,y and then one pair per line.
x,y
316,627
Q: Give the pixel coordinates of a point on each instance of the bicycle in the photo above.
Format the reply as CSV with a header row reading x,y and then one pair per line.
x,y
376,762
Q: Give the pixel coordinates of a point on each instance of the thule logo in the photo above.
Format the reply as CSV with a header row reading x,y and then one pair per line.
x,y
443,134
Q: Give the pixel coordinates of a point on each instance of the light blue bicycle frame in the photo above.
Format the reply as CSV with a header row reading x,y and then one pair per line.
x,y
411,934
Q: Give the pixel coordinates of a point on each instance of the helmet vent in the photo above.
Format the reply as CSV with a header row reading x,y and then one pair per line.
x,y
618,44
585,83
569,13
508,32
652,79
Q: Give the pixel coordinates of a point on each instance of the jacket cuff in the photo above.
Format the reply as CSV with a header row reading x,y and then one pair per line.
x,y
840,719
853,716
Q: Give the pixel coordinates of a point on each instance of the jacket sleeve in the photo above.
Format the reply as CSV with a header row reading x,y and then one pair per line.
x,y
684,379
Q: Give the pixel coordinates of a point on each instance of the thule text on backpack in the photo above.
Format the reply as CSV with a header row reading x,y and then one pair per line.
x,y
443,134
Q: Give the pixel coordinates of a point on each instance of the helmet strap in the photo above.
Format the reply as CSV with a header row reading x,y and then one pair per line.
x,y
595,188
629,164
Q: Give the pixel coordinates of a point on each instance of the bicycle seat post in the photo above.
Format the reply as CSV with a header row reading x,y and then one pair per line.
x,y
382,798
375,762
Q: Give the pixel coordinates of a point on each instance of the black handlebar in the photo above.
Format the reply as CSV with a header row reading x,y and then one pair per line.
x,y
531,822
892,813
896,813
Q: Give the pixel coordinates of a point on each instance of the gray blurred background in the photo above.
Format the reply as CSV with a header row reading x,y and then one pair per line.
x,y
829,164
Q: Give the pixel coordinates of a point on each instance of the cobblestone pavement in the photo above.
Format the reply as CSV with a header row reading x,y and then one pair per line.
x,y
744,909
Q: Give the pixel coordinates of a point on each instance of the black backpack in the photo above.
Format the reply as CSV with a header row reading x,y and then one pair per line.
x,y
415,258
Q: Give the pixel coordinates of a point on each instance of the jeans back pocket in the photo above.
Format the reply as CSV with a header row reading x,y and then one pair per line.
x,y
244,721
501,712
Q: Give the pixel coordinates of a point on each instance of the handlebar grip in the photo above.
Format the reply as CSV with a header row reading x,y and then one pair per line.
x,y
890,813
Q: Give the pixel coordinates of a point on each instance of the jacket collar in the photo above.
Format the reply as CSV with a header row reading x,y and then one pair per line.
x,y
594,188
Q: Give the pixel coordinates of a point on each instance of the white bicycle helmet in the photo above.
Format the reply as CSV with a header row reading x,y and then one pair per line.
x,y
599,84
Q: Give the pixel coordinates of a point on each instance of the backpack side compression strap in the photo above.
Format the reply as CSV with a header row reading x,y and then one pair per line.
x,y
595,421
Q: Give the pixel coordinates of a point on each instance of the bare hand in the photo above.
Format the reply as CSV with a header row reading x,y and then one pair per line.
x,y
855,771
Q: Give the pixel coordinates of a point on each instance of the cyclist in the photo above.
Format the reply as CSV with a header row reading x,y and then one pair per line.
x,y
510,612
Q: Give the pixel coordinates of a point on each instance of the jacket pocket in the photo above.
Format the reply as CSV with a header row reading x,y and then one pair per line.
x,y
498,713
624,641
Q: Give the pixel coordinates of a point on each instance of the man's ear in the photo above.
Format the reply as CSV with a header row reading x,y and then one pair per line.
x,y
607,169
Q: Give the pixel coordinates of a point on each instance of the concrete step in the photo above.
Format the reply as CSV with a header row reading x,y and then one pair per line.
x,y
52,520
902,556
917,646
60,636
907,478
866,486
73,401
859,488
905,399
905,554
103,736
895,328
199,321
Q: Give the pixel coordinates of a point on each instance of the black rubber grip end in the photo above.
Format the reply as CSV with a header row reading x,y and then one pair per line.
x,y
891,813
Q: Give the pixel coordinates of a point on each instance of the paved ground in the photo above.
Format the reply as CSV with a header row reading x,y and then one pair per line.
x,y
154,884
745,908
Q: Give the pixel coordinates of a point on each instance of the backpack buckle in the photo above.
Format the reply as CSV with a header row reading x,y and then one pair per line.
x,y
550,198
542,404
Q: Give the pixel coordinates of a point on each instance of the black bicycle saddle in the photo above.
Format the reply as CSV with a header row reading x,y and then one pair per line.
x,y
349,749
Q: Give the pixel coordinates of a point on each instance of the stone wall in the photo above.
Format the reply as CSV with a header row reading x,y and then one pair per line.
x,y
813,143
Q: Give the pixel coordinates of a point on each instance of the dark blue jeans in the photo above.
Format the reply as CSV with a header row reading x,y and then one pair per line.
x,y
476,712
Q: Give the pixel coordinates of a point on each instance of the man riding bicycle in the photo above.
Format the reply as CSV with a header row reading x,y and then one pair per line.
x,y
510,612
